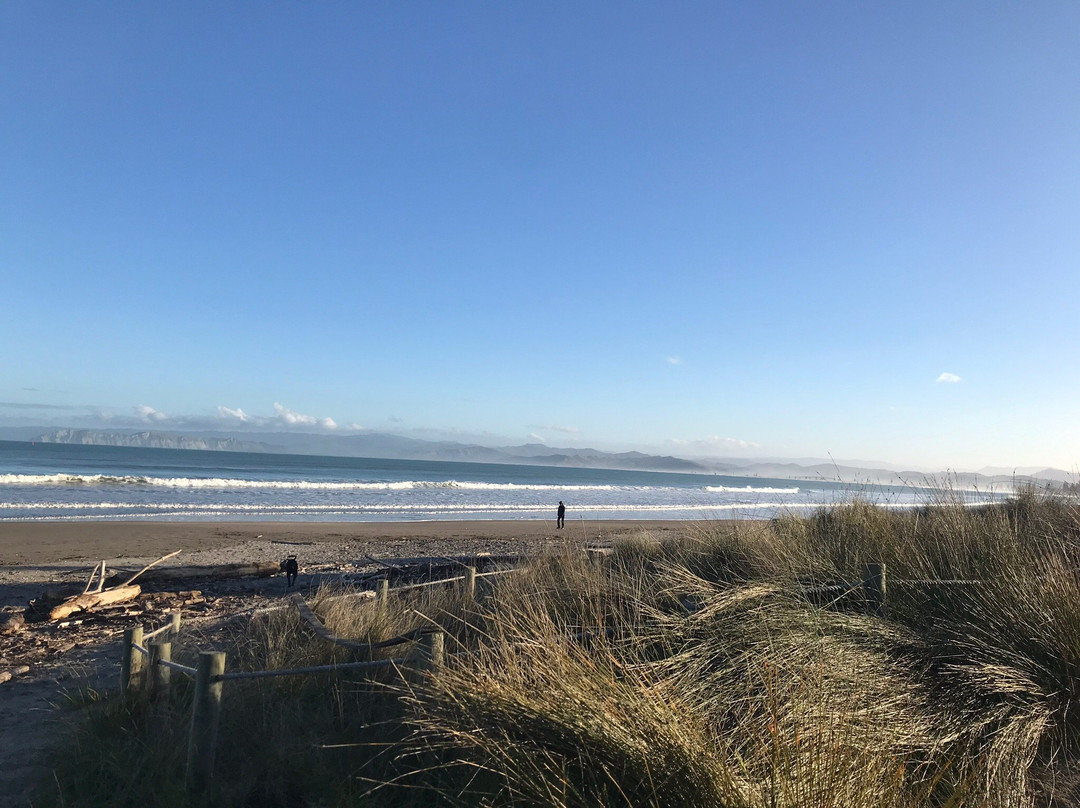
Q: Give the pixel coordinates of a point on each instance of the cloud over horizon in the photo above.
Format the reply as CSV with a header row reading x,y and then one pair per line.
x,y
293,418
141,415
948,378
145,413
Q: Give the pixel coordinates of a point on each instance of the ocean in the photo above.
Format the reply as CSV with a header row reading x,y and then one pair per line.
x,y
73,482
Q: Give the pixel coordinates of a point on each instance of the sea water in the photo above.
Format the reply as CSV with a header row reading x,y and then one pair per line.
x,y
76,482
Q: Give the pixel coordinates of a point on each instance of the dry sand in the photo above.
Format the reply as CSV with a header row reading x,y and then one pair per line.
x,y
33,554
48,543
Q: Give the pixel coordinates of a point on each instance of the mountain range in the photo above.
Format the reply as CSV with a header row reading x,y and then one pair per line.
x,y
386,445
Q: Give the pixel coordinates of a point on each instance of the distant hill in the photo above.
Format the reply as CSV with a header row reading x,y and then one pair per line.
x,y
149,440
385,445
374,444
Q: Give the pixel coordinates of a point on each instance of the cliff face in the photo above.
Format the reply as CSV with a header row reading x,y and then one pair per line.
x,y
150,440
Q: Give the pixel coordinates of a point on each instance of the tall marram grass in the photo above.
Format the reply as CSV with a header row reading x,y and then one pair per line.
x,y
694,672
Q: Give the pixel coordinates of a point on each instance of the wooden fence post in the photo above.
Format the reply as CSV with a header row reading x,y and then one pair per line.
x,y
174,623
874,586
131,664
382,595
160,676
205,718
429,651
470,583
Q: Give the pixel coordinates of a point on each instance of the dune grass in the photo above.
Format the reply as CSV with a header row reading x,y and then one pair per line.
x,y
693,672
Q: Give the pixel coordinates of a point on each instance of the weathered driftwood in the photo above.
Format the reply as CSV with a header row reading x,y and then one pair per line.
x,y
148,566
101,580
103,597
256,569
91,600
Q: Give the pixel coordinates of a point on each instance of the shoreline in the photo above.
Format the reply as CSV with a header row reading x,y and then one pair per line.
x,y
32,543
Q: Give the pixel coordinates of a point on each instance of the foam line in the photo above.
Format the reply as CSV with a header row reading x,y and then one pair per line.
x,y
311,485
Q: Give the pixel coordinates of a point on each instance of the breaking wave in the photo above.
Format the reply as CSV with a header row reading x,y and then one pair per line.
x,y
297,485
749,489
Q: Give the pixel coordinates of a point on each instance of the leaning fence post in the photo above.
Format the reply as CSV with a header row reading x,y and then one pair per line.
x,y
160,675
874,586
174,623
205,717
131,663
470,583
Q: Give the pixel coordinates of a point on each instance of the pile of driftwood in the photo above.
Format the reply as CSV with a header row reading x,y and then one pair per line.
x,y
102,596
116,595
63,618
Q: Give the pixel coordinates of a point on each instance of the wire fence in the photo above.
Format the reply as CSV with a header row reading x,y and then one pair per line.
x,y
148,665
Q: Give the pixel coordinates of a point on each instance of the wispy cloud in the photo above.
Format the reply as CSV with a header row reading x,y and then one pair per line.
x,y
237,415
535,438
283,419
948,378
21,405
293,418
673,360
568,430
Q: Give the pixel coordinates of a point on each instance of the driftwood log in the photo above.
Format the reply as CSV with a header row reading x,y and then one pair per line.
x,y
92,600
255,569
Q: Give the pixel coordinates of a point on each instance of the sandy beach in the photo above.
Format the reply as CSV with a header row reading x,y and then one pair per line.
x,y
25,544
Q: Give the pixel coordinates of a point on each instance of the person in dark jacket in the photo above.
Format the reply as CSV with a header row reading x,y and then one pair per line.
x,y
561,515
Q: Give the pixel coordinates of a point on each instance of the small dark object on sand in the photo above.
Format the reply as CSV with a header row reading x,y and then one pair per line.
x,y
290,567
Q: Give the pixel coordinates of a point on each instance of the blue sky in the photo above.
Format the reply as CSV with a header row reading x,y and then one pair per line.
x,y
775,229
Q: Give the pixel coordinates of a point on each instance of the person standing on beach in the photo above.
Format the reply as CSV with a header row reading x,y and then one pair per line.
x,y
561,518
